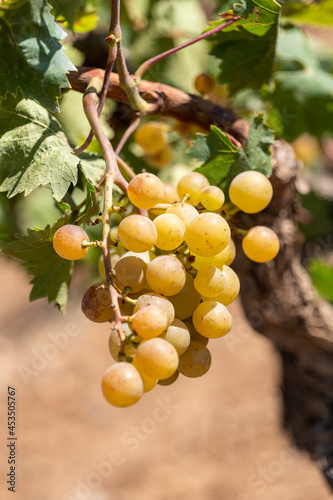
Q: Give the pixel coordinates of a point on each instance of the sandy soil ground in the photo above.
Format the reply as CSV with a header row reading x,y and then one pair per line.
x,y
214,438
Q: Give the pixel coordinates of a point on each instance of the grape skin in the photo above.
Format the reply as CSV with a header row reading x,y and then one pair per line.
x,y
150,321
195,336
261,244
195,361
186,301
148,383
157,359
192,184
67,242
207,234
184,211
212,319
151,137
122,385
152,298
137,233
130,272
177,335
204,83
170,380
170,231
114,343
231,289
145,190
166,275
209,281
96,304
217,260
232,253
212,198
250,191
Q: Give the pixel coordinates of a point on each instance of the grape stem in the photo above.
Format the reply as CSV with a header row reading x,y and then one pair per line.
x,y
153,60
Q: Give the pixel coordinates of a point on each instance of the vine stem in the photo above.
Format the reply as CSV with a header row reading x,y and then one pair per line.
x,y
153,60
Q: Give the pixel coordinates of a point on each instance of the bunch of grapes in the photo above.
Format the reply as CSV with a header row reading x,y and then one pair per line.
x,y
175,282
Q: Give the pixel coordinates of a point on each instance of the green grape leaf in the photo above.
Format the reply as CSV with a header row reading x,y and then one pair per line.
x,y
302,97
223,160
31,56
33,150
67,10
92,166
247,48
322,277
51,274
315,13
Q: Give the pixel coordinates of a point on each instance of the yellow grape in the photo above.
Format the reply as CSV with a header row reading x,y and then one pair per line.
x,y
166,275
192,184
130,272
170,193
195,361
145,190
184,211
114,343
231,289
156,358
232,253
209,281
150,321
137,233
186,300
122,385
170,380
250,191
204,83
261,244
151,137
67,242
160,160
170,231
178,336
96,304
148,383
212,198
217,260
163,303
212,319
207,234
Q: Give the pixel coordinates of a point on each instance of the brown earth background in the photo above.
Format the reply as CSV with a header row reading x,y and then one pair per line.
x,y
217,437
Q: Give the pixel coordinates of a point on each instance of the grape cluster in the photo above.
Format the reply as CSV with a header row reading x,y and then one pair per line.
x,y
174,281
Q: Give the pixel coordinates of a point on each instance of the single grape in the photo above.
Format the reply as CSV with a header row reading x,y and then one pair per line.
x,y
96,304
170,380
250,191
163,303
184,211
195,336
195,361
192,184
160,160
170,193
261,244
231,289
212,198
122,385
217,260
204,83
166,275
151,137
209,281
156,358
207,234
145,256
177,335
137,233
148,383
212,319
232,253
186,301
150,321
130,272
67,242
170,231
145,190
114,343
